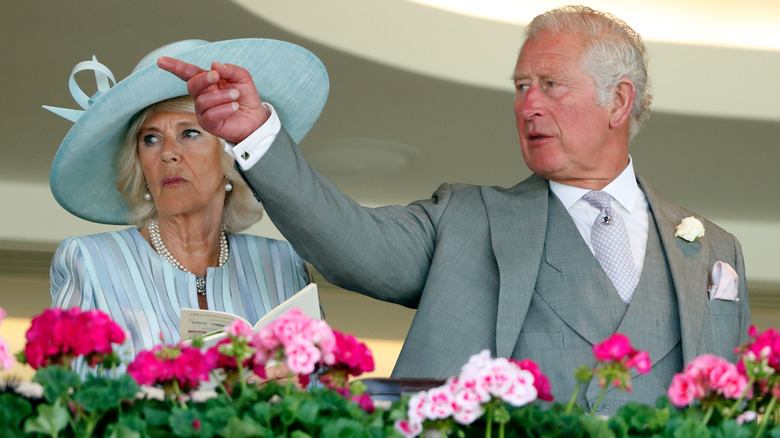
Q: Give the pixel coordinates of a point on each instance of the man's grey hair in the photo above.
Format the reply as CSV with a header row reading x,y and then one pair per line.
x,y
611,51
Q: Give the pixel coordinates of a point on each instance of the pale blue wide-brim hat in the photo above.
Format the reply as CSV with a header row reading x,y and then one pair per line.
x,y
83,175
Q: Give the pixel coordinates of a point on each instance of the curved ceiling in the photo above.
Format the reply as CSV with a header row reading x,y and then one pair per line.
x,y
734,44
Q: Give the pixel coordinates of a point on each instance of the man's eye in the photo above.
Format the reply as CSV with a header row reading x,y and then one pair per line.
x,y
551,84
522,87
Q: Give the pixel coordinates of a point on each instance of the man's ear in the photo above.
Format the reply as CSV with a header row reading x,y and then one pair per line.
x,y
622,103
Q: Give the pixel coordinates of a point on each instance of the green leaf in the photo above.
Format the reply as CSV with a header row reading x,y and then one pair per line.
x,y
244,428
596,427
101,394
181,422
290,408
689,428
155,417
122,431
13,409
56,381
643,419
217,416
308,412
51,419
8,431
132,422
731,429
619,427
343,428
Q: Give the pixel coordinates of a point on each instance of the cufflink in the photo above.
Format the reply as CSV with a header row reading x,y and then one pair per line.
x,y
245,155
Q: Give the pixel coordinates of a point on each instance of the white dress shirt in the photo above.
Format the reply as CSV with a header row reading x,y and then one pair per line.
x,y
628,200
249,151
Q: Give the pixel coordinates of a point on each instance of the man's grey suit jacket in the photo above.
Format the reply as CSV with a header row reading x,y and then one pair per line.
x,y
467,259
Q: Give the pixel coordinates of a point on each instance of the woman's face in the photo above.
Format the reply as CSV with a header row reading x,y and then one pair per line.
x,y
181,164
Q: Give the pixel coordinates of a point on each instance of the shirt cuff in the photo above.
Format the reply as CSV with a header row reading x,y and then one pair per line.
x,y
252,149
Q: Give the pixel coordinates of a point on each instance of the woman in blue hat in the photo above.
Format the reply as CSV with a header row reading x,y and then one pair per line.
x,y
137,155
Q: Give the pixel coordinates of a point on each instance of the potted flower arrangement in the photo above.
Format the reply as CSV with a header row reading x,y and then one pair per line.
x,y
159,394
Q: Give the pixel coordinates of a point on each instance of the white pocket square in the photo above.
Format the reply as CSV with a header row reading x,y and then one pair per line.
x,y
725,282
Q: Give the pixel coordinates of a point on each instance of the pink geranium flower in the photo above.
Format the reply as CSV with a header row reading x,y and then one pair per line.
x,y
440,403
305,345
617,357
407,428
183,365
541,383
760,360
484,383
6,358
239,328
302,356
355,355
704,377
683,390
57,336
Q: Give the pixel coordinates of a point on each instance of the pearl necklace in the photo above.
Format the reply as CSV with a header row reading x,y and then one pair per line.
x,y
159,246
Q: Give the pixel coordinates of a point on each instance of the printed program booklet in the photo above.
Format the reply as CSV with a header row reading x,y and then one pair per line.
x,y
210,323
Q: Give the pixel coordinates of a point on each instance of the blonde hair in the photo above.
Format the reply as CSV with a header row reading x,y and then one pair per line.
x,y
612,50
241,208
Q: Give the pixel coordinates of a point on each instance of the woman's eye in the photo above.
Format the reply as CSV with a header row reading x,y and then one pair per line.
x,y
191,133
149,140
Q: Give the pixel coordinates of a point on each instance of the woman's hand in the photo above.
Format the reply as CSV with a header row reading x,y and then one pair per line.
x,y
226,101
278,373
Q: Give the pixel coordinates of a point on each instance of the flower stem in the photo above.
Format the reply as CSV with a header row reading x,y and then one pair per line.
x,y
708,414
220,383
178,395
767,414
598,400
489,428
288,385
573,397
735,406
241,376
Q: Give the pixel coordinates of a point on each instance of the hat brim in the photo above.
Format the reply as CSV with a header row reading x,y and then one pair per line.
x,y
83,175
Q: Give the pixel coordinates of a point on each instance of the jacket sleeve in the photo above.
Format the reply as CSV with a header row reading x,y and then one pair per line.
x,y
382,252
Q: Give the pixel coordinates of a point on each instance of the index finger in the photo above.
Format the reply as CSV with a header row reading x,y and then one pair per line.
x,y
183,70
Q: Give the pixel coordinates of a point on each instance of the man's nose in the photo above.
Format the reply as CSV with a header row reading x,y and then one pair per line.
x,y
529,104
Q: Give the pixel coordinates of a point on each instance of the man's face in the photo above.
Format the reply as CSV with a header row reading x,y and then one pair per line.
x,y
564,133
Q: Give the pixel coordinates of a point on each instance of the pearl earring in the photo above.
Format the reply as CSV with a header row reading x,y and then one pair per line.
x,y
147,196
228,186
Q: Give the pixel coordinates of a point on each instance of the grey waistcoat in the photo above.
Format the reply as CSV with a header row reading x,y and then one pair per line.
x,y
575,306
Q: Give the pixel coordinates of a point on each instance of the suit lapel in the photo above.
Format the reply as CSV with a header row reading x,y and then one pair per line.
x,y
688,263
518,220
572,282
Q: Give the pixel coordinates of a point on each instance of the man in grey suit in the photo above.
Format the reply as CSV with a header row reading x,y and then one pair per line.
x,y
517,271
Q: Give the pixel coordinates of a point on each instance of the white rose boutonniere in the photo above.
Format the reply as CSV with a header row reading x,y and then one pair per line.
x,y
690,229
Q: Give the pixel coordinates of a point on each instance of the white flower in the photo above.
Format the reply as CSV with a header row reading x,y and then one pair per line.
x,y
690,229
747,417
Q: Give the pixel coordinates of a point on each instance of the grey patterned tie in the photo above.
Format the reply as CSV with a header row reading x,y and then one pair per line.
x,y
610,244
